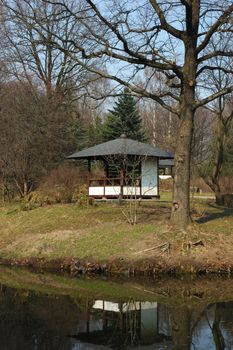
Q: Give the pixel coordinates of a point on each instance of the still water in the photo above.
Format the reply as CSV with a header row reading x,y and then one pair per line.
x,y
45,311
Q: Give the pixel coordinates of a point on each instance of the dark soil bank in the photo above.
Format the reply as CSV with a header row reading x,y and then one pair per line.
x,y
125,267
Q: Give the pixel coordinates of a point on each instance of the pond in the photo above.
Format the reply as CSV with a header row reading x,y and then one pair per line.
x,y
48,311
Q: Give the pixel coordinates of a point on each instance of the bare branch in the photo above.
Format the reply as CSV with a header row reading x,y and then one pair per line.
x,y
215,54
221,20
164,24
214,68
214,96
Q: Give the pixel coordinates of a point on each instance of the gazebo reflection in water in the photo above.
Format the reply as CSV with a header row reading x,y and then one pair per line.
x,y
131,323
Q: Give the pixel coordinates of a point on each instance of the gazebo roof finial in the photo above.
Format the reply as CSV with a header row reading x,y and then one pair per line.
x,y
123,136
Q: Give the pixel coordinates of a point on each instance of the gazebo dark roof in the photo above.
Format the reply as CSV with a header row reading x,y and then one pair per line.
x,y
121,146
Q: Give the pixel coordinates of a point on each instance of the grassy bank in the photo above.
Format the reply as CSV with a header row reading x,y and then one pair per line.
x,y
171,291
101,233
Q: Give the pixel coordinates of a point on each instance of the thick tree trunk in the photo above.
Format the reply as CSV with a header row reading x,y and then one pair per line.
x,y
214,186
180,215
217,191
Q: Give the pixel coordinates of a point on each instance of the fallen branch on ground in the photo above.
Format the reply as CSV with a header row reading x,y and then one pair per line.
x,y
164,247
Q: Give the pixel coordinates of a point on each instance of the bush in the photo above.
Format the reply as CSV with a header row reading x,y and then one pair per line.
x,y
199,183
226,184
63,182
225,199
166,184
81,197
63,185
34,200
67,175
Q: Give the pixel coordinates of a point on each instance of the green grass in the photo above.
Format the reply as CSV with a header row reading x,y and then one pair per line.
x,y
167,196
66,230
102,232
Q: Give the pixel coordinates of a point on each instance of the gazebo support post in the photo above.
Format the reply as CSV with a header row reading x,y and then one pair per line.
x,y
105,174
121,179
105,168
140,180
157,160
89,172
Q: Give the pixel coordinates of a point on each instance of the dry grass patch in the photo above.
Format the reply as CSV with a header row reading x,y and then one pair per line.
x,y
102,233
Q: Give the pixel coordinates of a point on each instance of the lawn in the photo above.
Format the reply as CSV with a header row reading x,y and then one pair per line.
x,y
102,233
67,230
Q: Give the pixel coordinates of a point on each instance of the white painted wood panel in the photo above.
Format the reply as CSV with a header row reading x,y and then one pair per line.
x,y
109,190
112,190
150,177
96,191
131,191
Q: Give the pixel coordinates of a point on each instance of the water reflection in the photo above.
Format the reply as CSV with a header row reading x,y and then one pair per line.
x,y
123,324
132,324
33,320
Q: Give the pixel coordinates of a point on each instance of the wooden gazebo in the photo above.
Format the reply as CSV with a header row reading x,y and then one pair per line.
x,y
131,168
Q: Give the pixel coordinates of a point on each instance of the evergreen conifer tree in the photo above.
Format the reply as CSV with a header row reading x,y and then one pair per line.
x,y
124,119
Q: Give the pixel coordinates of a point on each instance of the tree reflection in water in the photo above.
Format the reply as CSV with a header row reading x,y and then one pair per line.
x,y
216,329
30,320
181,327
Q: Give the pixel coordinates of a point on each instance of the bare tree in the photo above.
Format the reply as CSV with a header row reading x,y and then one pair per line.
x,y
212,169
203,134
159,124
218,75
35,135
27,55
171,38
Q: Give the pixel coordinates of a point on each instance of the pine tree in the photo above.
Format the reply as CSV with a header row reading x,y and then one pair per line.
x,y
124,119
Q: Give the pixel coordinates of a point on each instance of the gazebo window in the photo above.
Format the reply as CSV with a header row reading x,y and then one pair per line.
x,y
113,174
133,173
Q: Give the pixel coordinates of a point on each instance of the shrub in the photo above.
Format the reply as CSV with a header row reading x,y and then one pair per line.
x,y
63,185
62,182
226,184
81,197
67,175
199,183
34,200
166,184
